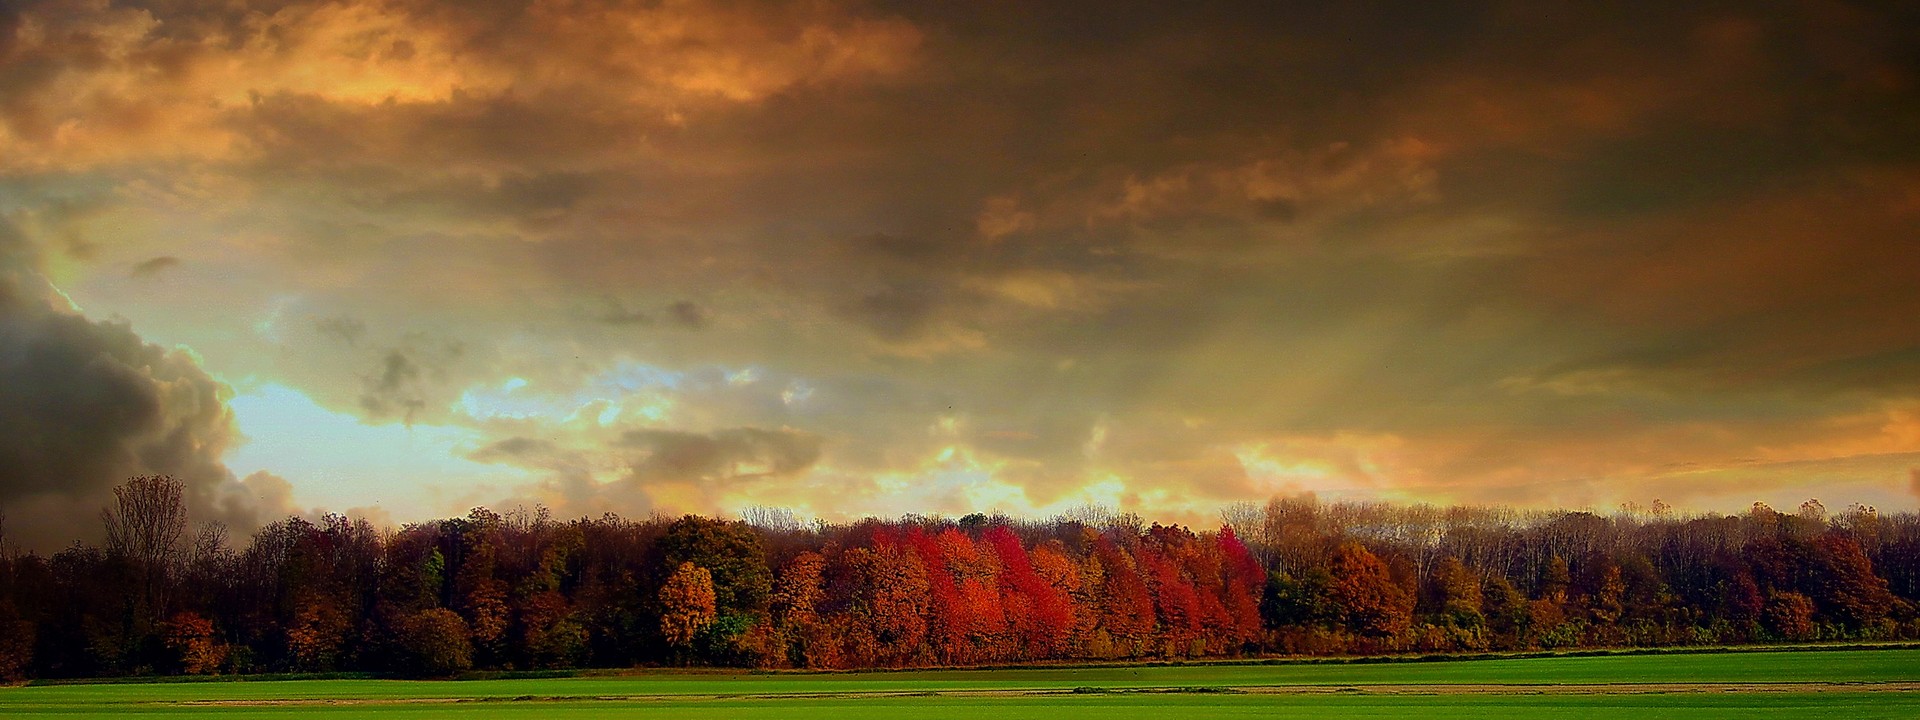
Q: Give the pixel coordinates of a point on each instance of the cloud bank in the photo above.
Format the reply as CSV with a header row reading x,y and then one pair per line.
x,y
866,257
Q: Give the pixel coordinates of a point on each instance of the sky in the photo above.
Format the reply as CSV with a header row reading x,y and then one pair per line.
x,y
398,258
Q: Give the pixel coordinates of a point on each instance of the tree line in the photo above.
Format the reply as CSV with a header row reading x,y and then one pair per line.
x,y
1295,576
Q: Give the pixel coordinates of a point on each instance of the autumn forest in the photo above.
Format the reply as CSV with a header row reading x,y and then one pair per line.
x,y
523,590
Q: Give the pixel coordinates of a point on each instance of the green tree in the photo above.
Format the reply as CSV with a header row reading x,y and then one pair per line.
x,y
730,551
1302,601
1505,608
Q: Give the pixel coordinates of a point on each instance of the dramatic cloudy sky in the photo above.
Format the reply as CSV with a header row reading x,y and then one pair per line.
x,y
404,257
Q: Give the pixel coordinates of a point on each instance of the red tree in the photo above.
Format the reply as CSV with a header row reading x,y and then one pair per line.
x,y
1242,586
1175,601
1126,608
948,624
979,616
1046,618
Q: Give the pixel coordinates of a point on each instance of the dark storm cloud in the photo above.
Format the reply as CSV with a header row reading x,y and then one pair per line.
x,y
84,405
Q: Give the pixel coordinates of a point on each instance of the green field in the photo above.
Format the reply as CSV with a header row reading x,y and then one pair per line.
x,y
1848,683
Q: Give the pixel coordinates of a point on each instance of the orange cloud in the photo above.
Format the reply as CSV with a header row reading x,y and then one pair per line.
x,y
124,84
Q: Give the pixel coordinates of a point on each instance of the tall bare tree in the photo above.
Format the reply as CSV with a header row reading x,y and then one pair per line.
x,y
146,525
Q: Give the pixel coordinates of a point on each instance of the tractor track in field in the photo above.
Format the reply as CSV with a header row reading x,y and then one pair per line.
x,y
1410,689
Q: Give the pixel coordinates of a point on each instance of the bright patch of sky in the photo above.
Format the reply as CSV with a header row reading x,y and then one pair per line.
x,y
335,461
635,391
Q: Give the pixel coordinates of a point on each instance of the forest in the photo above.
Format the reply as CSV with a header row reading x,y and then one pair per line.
x,y
1295,576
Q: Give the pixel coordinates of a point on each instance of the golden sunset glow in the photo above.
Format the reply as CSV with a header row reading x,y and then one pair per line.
x,y
401,257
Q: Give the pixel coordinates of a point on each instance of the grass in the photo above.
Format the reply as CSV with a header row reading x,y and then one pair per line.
x,y
1847,683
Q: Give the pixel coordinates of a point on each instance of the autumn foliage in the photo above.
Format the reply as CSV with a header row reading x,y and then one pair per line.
x,y
1368,600
195,646
686,604
523,590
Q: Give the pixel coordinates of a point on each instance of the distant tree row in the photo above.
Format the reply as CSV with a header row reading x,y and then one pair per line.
x,y
1296,576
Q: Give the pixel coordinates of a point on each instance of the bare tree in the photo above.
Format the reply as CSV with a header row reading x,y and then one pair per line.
x,y
209,542
772,519
146,525
1245,517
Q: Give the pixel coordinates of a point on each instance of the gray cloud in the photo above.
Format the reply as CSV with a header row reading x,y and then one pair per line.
x,y
394,387
730,454
656,463
689,315
618,314
153,267
568,484
348,330
407,376
84,405
519,450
